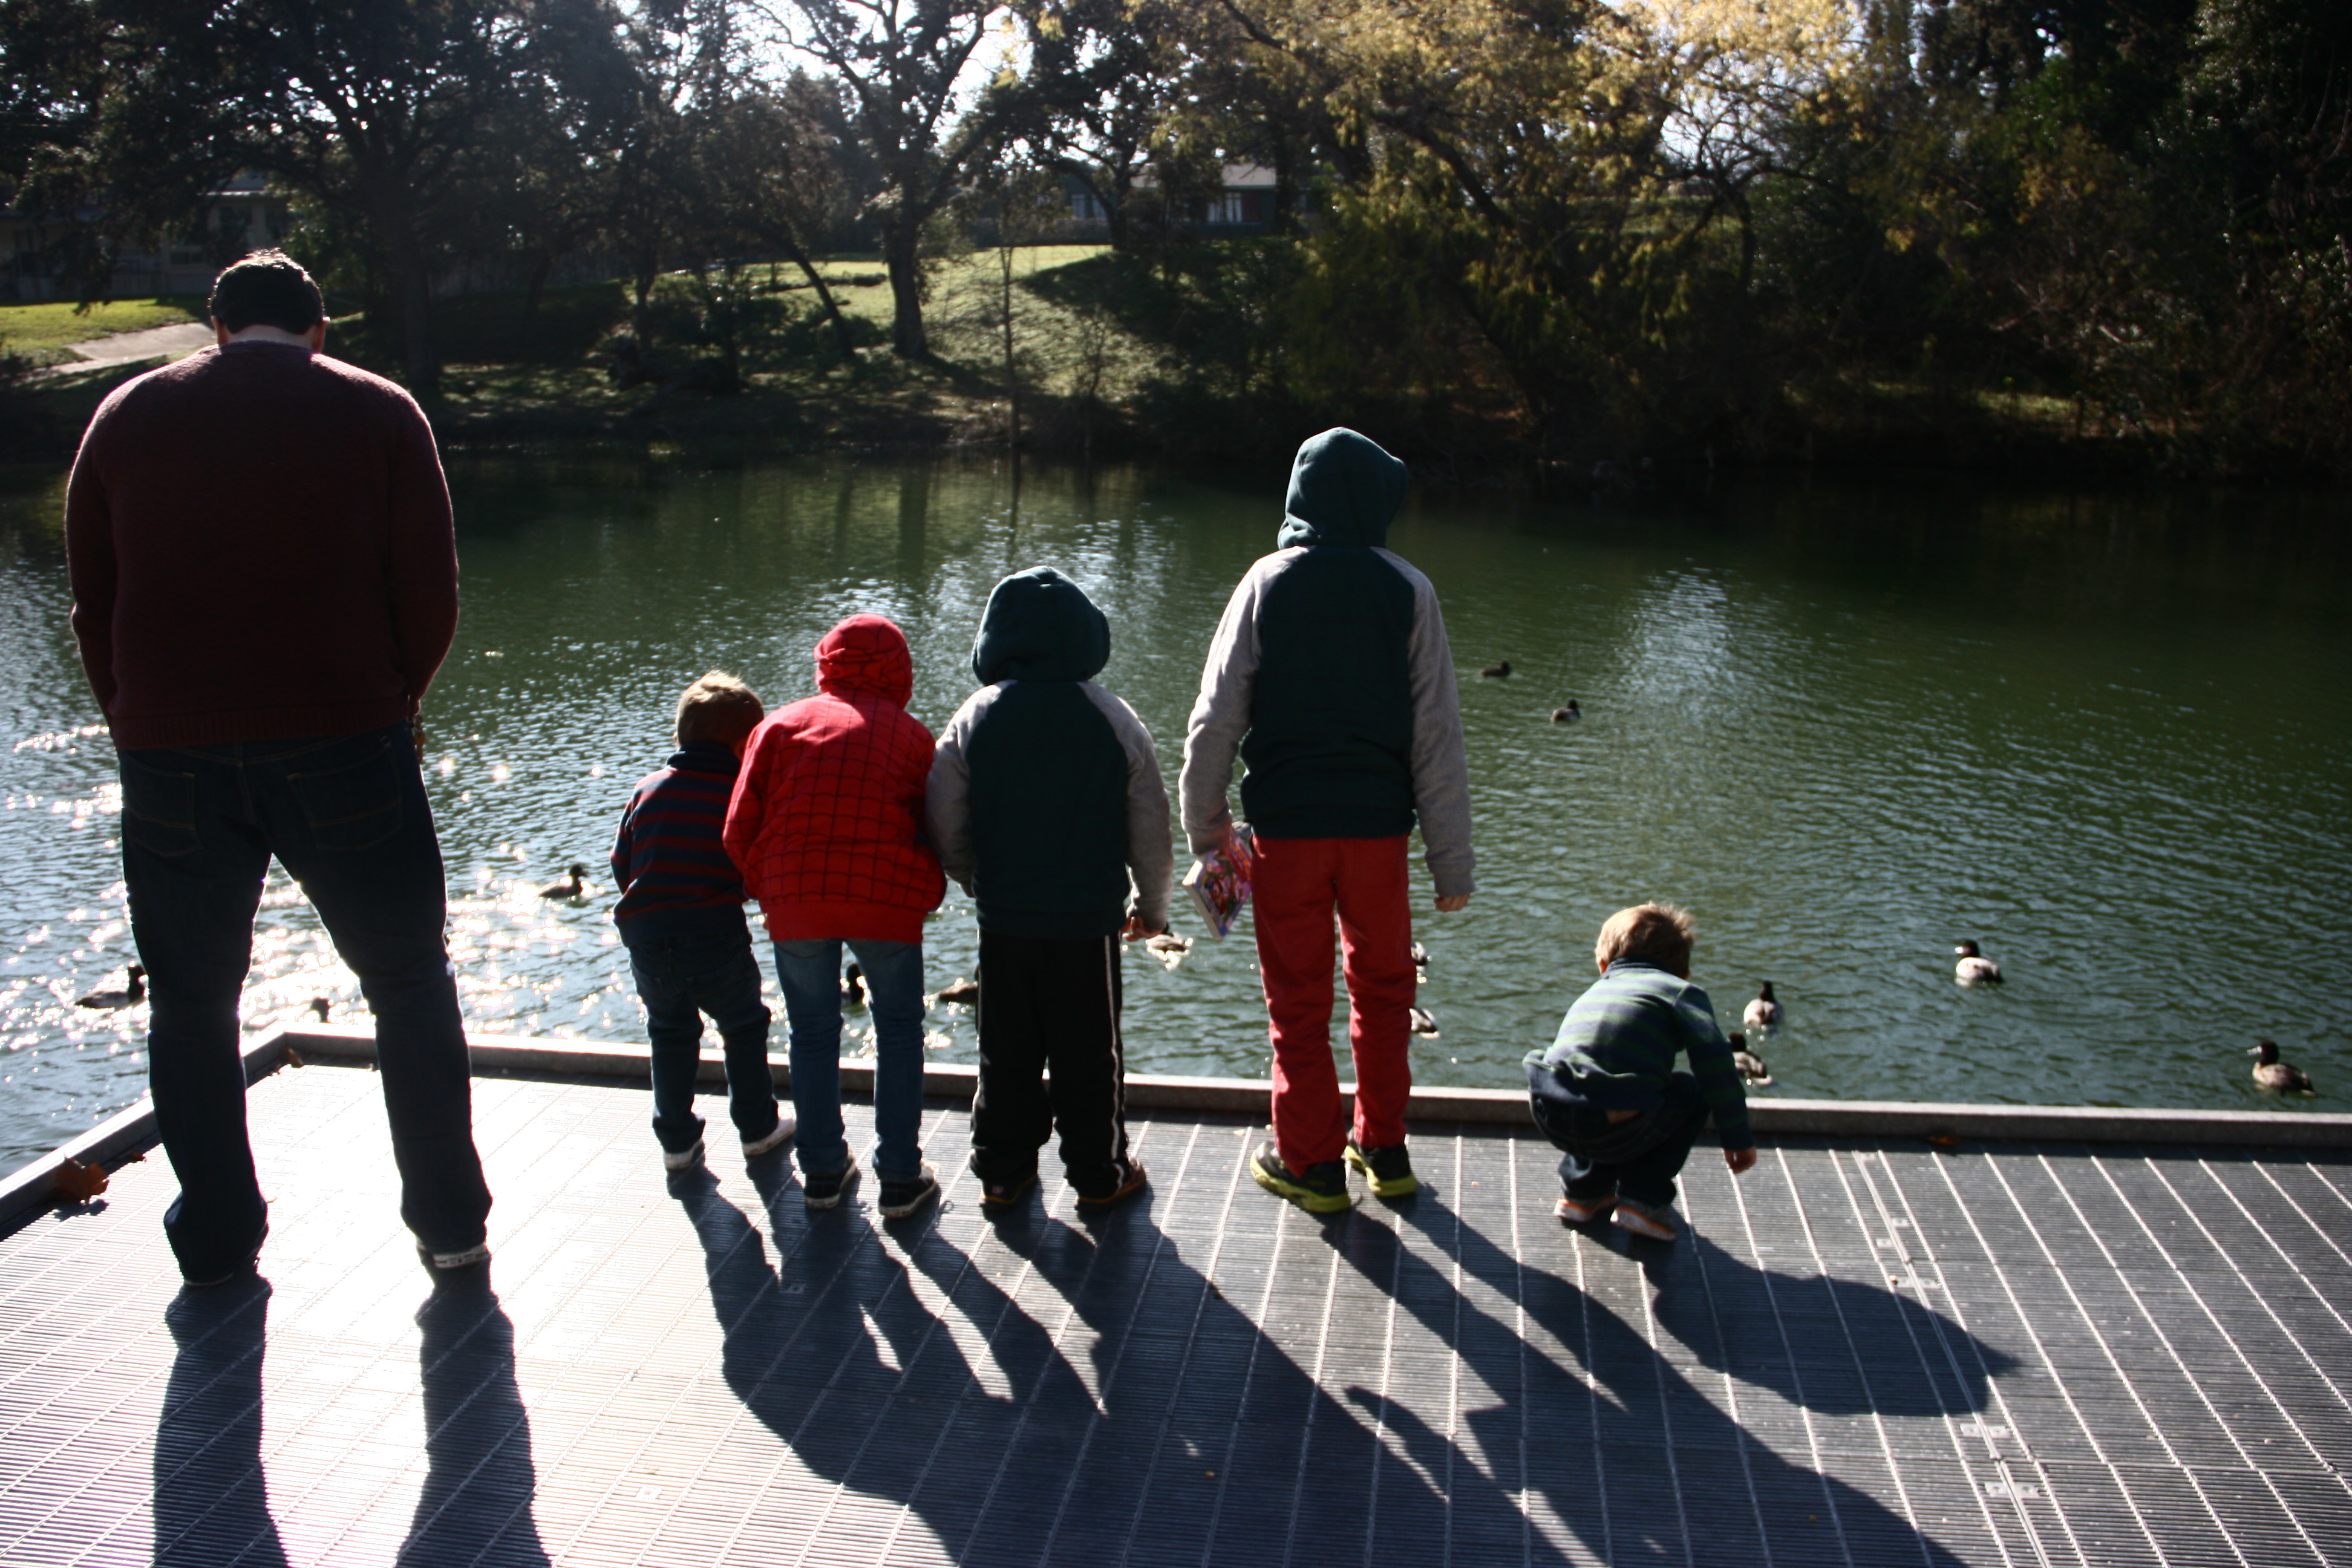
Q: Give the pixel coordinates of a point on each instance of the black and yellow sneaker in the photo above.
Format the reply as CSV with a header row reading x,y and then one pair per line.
x,y
1004,1192
1388,1170
1322,1188
1132,1179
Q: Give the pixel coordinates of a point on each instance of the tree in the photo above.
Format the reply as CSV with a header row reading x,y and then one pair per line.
x,y
769,167
1556,168
378,113
1107,76
902,63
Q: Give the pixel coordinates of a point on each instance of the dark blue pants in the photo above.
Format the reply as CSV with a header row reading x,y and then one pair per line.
x,y
679,979
1638,1158
347,816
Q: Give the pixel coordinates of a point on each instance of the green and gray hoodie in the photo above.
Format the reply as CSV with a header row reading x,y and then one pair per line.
x,y
1045,796
1331,677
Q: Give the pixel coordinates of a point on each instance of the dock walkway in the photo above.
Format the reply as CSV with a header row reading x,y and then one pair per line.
x,y
1865,1353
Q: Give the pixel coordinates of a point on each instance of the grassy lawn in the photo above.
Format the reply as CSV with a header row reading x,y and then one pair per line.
x,y
514,374
41,331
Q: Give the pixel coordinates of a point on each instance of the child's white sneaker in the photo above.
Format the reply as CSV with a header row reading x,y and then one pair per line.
x,y
755,1147
675,1160
1652,1220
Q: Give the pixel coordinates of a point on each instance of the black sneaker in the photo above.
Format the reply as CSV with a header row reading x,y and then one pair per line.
x,y
1132,1180
1319,1189
903,1195
1005,1193
242,1269
1389,1170
825,1191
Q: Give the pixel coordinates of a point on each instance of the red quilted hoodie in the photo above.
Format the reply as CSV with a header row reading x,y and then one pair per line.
x,y
826,817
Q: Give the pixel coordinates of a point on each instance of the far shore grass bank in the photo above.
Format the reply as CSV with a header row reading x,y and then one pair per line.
x,y
1106,356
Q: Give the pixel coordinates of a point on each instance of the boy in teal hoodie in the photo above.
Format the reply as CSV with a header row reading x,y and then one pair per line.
x,y
1046,804
1330,676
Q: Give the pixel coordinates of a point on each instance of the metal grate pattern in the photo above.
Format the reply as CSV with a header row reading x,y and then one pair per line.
x,y
1859,1356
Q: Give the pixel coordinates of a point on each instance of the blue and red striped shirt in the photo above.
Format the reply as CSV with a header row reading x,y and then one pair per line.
x,y
673,869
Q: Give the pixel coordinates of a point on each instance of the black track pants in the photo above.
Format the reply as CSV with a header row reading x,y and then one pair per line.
x,y
1050,1005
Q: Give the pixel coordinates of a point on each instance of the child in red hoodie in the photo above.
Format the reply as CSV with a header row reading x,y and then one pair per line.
x,y
827,824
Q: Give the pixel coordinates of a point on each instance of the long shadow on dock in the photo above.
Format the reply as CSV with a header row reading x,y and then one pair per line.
x,y
1615,1447
212,1500
479,1482
1197,1421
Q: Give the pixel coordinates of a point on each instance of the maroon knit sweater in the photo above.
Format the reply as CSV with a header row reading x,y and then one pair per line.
x,y
260,547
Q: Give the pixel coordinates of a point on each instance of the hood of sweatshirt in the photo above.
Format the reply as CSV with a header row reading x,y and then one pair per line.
x,y
866,654
1343,490
1040,625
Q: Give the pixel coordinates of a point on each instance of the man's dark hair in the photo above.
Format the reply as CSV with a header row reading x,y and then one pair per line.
x,y
266,288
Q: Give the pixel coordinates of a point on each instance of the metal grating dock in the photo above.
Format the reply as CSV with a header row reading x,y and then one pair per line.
x,y
1861,1355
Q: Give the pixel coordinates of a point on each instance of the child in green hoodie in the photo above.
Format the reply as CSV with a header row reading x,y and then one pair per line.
x,y
1607,1094
1046,803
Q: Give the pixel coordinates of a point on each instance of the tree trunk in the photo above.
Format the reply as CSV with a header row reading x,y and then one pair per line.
x,y
1115,214
419,364
1011,366
1283,219
899,246
640,315
801,259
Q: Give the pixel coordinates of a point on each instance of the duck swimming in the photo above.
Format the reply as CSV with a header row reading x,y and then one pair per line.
x,y
1497,670
1168,948
853,987
570,887
132,990
958,989
1569,714
1974,969
1423,1022
322,1007
1764,1012
1747,1063
2273,1074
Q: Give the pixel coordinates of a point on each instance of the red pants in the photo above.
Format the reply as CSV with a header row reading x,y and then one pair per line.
x,y
1298,884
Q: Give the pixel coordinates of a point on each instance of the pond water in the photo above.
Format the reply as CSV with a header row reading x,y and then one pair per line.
x,y
2108,737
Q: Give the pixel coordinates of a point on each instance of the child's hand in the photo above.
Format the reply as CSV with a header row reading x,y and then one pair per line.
x,y
1449,902
1741,1160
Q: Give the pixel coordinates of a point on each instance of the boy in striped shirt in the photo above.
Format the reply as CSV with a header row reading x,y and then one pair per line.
x,y
1606,1093
681,917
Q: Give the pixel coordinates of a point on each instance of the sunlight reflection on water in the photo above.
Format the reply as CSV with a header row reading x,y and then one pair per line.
x,y
1846,728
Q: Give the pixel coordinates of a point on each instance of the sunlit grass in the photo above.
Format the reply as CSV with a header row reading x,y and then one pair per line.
x,y
40,330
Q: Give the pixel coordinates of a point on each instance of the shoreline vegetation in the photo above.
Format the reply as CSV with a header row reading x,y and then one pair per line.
x,y
1105,357
1575,243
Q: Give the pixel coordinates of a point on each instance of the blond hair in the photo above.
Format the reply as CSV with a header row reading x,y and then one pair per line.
x,y
717,708
1647,934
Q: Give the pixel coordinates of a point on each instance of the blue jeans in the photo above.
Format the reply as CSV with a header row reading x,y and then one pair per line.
x,y
1639,1157
680,978
347,816
810,974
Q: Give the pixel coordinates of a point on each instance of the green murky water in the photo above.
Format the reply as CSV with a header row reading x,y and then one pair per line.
x,y
2110,738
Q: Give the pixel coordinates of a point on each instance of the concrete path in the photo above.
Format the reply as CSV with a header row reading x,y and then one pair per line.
x,y
181,338
1865,1353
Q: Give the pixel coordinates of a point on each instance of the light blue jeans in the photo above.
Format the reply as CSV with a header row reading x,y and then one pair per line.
x,y
809,971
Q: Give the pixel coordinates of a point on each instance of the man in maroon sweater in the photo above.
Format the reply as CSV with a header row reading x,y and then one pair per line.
x,y
265,580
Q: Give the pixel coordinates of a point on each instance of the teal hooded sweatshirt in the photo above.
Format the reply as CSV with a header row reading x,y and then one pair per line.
x,y
1046,796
